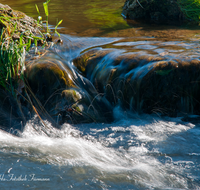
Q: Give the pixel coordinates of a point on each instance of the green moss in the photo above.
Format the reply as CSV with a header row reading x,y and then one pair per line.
x,y
71,95
163,72
50,72
76,108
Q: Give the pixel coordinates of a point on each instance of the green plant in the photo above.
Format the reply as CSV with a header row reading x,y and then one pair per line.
x,y
39,17
18,35
46,10
12,62
57,27
17,38
190,8
16,43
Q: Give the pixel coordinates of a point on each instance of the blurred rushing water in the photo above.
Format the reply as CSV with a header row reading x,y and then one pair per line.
x,y
134,152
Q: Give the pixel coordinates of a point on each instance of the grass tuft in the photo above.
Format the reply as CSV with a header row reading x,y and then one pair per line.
x,y
18,35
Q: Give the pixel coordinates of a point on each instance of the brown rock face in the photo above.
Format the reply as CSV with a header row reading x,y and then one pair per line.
x,y
63,93
146,83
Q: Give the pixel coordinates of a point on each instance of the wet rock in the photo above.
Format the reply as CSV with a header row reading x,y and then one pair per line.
x,y
59,91
13,115
195,119
12,19
156,11
146,83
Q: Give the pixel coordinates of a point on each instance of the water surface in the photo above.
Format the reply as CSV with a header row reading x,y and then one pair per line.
x,y
100,18
135,152
78,16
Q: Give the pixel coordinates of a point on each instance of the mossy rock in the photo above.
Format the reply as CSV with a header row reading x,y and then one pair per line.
x,y
47,78
147,83
64,94
157,11
72,95
12,19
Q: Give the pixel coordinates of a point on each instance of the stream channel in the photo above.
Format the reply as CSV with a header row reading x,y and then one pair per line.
x,y
136,150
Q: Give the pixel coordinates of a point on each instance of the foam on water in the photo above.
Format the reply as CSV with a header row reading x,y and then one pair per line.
x,y
139,151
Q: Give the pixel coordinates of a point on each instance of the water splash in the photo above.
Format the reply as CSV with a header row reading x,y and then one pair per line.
x,y
139,151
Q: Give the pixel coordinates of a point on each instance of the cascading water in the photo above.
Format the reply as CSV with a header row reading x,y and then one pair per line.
x,y
133,152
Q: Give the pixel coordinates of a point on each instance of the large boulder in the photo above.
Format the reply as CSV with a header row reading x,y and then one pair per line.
x,y
17,21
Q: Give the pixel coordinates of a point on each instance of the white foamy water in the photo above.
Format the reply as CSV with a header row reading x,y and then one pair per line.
x,y
135,152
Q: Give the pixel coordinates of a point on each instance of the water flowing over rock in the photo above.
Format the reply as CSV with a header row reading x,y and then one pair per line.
x,y
64,93
145,83
90,81
87,88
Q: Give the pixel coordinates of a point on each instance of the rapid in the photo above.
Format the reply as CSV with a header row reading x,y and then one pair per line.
x,y
133,152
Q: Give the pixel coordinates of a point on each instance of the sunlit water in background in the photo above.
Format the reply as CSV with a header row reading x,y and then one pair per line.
x,y
133,152
79,17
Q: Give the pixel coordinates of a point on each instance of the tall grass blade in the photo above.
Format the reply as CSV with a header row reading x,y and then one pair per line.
x,y
57,27
37,9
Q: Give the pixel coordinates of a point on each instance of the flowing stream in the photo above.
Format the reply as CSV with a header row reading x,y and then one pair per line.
x,y
135,151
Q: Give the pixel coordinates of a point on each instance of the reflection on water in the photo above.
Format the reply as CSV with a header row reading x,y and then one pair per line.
x,y
78,16
99,18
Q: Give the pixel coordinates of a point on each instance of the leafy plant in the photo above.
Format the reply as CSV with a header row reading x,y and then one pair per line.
x,y
39,17
190,8
17,38
18,35
15,43
46,10
12,62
